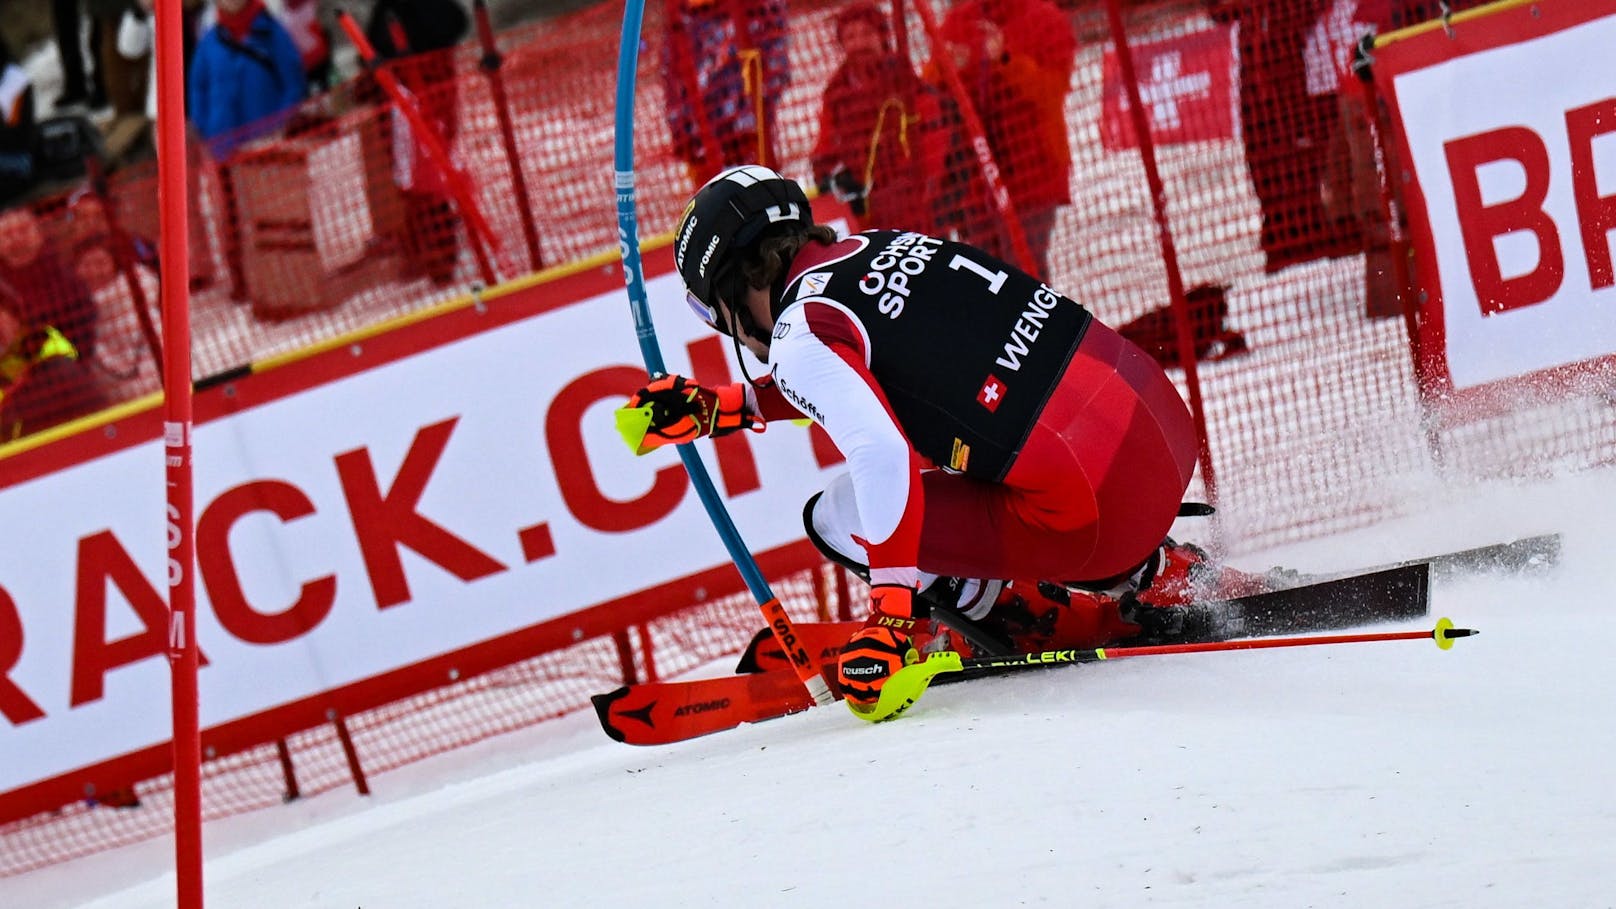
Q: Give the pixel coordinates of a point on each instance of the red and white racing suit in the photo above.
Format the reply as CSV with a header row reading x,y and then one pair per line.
x,y
992,427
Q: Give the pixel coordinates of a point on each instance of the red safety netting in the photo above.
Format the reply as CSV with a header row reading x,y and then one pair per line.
x,y
329,224
456,714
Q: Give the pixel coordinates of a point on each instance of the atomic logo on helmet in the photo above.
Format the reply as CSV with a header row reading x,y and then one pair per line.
x,y
729,213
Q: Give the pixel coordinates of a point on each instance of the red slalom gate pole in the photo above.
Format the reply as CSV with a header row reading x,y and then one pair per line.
x,y
175,270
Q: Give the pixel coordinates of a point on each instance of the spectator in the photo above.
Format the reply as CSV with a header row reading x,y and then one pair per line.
x,y
136,41
1015,58
878,148
81,86
98,246
724,67
43,381
1286,125
46,293
47,333
1292,55
313,40
246,72
417,36
122,79
18,131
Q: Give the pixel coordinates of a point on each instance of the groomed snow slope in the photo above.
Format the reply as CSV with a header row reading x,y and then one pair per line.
x,y
1385,775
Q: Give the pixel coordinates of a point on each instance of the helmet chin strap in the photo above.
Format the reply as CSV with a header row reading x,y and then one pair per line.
x,y
742,321
741,362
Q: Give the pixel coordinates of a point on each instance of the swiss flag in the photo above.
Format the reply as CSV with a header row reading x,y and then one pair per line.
x,y
991,394
1188,83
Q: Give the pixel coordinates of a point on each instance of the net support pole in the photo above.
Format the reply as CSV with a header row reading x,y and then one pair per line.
x,y
1175,278
491,64
478,232
175,269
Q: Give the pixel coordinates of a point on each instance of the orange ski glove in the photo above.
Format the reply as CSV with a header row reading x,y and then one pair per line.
x,y
672,410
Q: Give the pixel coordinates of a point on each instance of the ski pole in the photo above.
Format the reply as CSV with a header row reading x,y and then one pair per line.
x,y
906,685
1444,634
628,242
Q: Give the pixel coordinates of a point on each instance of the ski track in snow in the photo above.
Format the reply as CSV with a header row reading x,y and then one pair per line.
x,y
1384,774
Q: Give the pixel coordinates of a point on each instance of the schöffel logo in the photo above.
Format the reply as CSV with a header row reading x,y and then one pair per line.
x,y
803,405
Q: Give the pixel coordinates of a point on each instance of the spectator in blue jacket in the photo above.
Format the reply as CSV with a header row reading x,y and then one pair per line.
x,y
246,70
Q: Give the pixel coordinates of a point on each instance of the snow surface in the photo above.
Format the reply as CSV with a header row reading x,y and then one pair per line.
x,y
1383,774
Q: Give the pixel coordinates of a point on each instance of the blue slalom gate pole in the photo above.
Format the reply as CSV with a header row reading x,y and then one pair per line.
x,y
628,244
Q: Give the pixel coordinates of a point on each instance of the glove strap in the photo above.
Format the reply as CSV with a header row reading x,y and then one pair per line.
x,y
893,607
729,411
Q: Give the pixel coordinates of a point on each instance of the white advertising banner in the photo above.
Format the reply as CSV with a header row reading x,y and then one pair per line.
x,y
432,502
1509,131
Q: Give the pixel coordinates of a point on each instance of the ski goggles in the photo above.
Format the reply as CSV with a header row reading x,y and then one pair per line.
x,y
728,286
703,312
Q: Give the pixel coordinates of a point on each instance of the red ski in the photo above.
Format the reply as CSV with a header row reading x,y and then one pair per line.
x,y
657,713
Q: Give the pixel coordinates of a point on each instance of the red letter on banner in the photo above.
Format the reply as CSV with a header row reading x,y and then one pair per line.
x,y
1481,224
563,431
17,706
223,582
1596,213
101,559
382,522
736,465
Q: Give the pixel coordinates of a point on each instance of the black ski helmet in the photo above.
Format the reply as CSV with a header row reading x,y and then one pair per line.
x,y
727,214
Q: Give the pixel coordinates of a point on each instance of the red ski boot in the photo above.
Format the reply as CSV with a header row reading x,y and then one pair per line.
x,y
1040,615
1151,603
1178,575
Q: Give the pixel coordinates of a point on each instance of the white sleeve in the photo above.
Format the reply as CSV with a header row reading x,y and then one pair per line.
x,y
826,378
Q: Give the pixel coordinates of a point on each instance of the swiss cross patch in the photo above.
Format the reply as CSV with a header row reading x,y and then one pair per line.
x,y
991,394
1189,85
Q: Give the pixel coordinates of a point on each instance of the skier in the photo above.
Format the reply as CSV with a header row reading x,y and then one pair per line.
x,y
996,434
